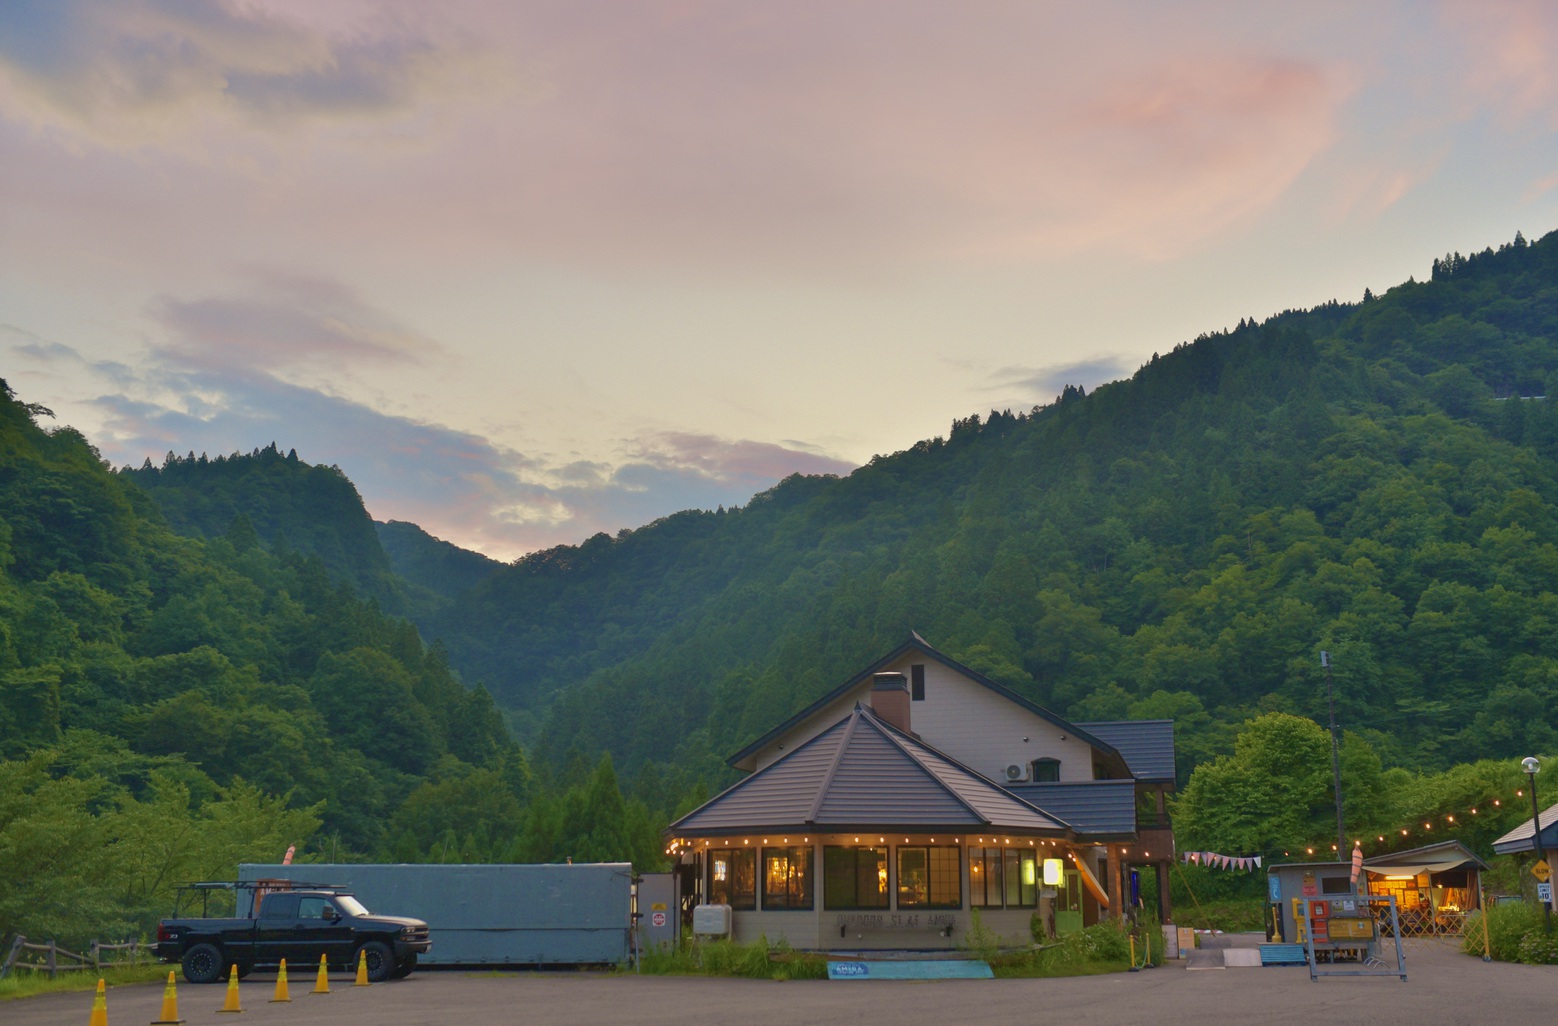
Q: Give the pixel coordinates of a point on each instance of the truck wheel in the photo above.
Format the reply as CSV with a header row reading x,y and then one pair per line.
x,y
203,964
381,962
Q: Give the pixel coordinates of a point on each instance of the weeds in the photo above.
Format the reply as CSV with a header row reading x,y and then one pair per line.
x,y
27,984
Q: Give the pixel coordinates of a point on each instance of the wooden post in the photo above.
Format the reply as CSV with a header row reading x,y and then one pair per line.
x,y
1112,869
10,959
53,965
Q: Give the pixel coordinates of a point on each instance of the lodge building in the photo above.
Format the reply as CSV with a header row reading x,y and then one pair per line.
x,y
884,813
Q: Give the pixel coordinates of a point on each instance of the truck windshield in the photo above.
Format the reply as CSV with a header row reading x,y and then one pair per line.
x,y
350,905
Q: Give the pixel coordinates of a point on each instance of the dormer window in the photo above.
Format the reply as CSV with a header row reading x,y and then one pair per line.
x,y
1046,771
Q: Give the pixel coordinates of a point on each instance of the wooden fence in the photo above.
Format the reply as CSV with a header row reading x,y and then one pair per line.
x,y
52,959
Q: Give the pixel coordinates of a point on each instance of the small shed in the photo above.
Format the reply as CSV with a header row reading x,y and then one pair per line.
x,y
1434,886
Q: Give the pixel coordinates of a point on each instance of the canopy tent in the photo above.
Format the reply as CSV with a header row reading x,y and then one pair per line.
x,y
1434,858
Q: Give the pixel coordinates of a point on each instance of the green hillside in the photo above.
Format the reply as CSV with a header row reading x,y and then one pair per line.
x,y
287,503
1376,479
170,706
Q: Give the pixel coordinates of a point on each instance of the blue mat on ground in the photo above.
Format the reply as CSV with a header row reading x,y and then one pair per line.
x,y
1283,954
924,969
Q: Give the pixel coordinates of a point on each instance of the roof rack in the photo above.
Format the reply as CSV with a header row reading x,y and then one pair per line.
x,y
205,888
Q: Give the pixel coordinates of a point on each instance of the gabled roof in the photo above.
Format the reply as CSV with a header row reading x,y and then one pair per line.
x,y
1519,839
1098,810
862,774
1431,858
919,644
1147,745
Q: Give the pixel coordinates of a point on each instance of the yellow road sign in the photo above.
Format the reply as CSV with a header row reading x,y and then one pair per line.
x,y
1541,871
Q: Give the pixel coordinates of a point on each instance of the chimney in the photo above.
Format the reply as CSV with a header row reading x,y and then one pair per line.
x,y
890,699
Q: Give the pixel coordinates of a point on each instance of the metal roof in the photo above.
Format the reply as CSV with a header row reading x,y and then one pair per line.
x,y
1098,810
1519,839
919,644
1147,745
863,774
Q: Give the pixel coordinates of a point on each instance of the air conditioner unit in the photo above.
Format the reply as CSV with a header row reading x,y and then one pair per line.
x,y
1016,773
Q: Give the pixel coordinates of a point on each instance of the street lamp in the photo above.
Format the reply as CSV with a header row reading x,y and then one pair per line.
x,y
1531,765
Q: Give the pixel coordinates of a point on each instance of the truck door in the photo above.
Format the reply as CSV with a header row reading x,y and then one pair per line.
x,y
323,929
276,928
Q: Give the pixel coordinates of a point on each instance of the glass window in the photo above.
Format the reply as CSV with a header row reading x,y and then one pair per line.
x,y
733,877
984,877
928,877
1046,771
854,877
1022,879
786,878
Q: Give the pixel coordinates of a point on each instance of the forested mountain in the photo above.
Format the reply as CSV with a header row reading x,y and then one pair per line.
x,y
1376,479
286,503
171,705
436,569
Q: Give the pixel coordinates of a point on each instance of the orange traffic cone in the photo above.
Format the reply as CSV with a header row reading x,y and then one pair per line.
x,y
232,992
282,993
170,1006
362,969
322,985
99,1006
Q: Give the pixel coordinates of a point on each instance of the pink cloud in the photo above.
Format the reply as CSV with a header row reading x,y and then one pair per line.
x,y
287,321
1509,65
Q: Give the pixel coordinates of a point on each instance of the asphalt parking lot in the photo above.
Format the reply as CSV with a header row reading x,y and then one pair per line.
x,y
1443,987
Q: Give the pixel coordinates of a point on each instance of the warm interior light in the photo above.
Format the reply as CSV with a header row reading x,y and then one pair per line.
x,y
1027,872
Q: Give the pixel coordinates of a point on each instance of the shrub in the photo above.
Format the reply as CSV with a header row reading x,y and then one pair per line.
x,y
1516,933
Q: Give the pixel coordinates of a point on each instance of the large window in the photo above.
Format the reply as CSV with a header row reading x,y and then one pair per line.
x,y
854,877
1003,878
984,877
928,877
733,877
786,878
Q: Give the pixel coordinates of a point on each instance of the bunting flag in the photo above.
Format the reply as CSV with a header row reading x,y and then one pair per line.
x,y
1216,860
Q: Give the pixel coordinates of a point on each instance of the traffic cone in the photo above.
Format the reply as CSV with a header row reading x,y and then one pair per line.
x,y
170,1006
100,1006
232,992
322,985
362,970
282,993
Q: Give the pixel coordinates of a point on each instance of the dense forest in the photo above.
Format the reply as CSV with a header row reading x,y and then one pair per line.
x,y
205,661
172,705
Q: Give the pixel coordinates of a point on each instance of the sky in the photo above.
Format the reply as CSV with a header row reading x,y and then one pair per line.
x,y
527,271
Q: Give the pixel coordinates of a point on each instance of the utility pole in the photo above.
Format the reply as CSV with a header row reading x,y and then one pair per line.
x,y
1336,755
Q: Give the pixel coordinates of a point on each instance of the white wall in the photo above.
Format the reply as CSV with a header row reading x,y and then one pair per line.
x,y
966,720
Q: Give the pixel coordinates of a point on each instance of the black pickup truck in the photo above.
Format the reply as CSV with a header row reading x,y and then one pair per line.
x,y
297,923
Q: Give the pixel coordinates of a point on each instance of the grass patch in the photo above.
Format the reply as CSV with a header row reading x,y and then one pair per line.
x,y
24,983
756,961
1093,951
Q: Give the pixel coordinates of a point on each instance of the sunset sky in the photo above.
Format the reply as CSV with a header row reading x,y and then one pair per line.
x,y
527,270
